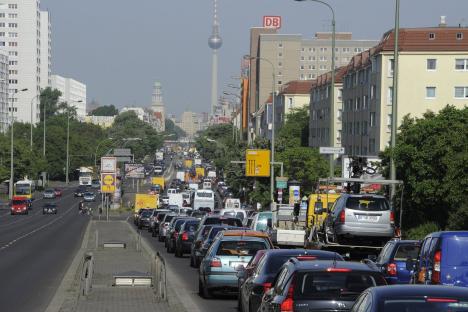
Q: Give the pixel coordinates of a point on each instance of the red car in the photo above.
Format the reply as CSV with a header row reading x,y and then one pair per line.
x,y
58,192
19,205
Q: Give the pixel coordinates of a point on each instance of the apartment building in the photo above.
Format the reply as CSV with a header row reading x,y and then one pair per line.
x,y
20,36
433,73
4,117
73,93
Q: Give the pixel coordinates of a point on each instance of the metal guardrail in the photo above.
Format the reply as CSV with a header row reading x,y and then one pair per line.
x,y
158,269
87,274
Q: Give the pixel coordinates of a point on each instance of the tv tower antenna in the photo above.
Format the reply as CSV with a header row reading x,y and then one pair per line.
x,y
214,42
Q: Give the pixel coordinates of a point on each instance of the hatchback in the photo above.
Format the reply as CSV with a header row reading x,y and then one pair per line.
x,y
89,197
173,232
186,237
164,226
319,285
228,252
360,219
200,236
414,298
260,281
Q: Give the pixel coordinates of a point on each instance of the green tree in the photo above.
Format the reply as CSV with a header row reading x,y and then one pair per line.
x,y
106,110
174,131
49,101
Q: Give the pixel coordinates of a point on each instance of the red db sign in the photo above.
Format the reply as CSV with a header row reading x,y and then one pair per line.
x,y
272,22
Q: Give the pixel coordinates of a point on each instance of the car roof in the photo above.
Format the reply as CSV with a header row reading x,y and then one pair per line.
x,y
293,252
323,265
437,291
404,241
448,233
246,233
363,195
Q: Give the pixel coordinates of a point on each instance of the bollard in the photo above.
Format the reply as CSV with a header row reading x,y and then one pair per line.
x,y
97,239
87,274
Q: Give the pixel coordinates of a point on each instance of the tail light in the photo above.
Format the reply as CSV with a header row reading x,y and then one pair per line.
x,y
288,304
392,269
338,270
185,236
266,287
342,216
444,300
215,263
392,217
306,258
436,272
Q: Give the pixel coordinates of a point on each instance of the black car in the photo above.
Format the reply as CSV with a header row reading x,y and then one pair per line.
x,y
49,208
79,192
186,237
144,218
169,229
253,286
319,285
136,217
199,237
417,298
174,231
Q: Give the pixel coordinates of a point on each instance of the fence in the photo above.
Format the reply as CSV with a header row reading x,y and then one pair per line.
x,y
87,274
158,270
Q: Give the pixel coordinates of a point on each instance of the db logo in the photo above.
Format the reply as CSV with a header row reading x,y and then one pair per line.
x,y
272,22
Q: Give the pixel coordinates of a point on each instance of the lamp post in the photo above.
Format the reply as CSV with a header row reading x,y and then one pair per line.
x,y
332,89
10,187
44,142
272,171
68,142
395,97
95,153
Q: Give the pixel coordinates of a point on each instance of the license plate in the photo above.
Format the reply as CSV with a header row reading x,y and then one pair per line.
x,y
367,218
235,264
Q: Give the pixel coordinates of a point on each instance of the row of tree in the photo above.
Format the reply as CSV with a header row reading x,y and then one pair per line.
x,y
86,141
431,158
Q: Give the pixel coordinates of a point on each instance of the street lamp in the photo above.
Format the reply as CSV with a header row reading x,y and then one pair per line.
x,y
395,98
10,187
68,140
95,153
272,171
332,89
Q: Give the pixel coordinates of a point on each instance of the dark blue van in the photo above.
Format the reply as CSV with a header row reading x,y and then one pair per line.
x,y
443,259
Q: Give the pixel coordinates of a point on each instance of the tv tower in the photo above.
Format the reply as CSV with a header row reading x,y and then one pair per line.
x,y
214,42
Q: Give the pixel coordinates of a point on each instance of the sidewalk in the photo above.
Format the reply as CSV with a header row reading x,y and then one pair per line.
x,y
110,262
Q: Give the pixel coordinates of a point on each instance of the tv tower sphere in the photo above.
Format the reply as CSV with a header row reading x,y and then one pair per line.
x,y
215,42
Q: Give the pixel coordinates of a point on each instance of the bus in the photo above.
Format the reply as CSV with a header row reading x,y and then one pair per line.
x,y
25,188
86,176
203,199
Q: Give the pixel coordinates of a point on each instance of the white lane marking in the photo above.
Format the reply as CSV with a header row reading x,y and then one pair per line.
x,y
11,243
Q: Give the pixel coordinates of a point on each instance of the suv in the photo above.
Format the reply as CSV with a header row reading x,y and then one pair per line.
x,y
443,259
359,218
319,285
392,260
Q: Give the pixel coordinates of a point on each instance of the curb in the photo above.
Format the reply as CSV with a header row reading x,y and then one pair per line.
x,y
70,276
183,301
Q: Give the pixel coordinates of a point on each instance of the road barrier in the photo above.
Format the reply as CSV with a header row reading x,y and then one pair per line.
x,y
158,270
87,274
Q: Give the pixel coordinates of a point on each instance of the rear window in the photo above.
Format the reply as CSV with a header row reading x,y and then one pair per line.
x,y
239,248
205,194
191,226
234,214
178,224
215,231
423,305
455,251
168,218
334,285
146,214
161,216
367,204
231,222
406,251
275,262
212,221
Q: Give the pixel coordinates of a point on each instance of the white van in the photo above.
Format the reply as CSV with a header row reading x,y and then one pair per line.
x,y
203,198
232,203
234,213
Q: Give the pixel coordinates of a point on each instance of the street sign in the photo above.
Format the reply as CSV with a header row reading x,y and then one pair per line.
x,y
331,150
108,182
281,182
272,22
294,194
108,164
134,171
257,163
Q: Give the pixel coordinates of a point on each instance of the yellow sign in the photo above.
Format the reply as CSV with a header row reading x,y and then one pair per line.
x,y
108,182
257,163
146,201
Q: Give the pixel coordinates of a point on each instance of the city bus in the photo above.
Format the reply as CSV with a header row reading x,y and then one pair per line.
x,y
25,188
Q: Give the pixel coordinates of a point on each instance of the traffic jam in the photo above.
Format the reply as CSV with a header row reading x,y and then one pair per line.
x,y
337,249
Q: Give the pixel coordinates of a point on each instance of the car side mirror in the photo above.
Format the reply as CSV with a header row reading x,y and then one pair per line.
x,y
269,223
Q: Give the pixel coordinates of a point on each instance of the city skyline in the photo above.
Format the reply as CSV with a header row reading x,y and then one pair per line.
x,y
163,56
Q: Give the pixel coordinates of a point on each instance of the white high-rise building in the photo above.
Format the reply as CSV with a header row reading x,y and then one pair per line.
x,y
46,50
20,36
73,93
3,91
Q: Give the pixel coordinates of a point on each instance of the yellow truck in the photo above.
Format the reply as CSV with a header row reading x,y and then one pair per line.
x,y
146,201
317,210
158,181
188,163
200,172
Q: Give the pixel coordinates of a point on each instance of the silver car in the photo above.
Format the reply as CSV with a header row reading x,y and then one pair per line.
x,y
357,219
49,193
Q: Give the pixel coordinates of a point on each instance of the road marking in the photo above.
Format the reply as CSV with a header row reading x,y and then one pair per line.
x,y
11,243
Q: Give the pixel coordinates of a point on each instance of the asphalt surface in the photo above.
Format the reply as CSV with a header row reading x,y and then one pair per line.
x,y
36,251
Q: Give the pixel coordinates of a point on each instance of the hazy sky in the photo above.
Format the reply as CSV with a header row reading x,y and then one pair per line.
x,y
119,48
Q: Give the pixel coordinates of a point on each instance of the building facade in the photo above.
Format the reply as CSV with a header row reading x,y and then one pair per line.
x,y
73,93
20,36
190,123
158,109
46,50
4,116
433,73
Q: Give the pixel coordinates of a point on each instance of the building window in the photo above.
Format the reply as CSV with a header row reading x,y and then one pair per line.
x,y
13,25
461,92
12,6
280,45
280,64
371,145
431,36
346,50
302,58
390,96
290,103
280,74
372,119
280,82
391,66
364,128
430,92
280,54
302,67
459,36
2,15
302,76
340,114
365,103
373,91
431,64
461,64
323,58
323,49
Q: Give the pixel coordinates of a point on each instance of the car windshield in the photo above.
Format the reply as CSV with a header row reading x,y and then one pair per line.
x,y
239,248
205,194
146,214
367,204
19,202
425,305
334,285
49,191
50,206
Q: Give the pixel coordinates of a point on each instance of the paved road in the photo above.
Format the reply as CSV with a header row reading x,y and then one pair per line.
x,y
35,252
